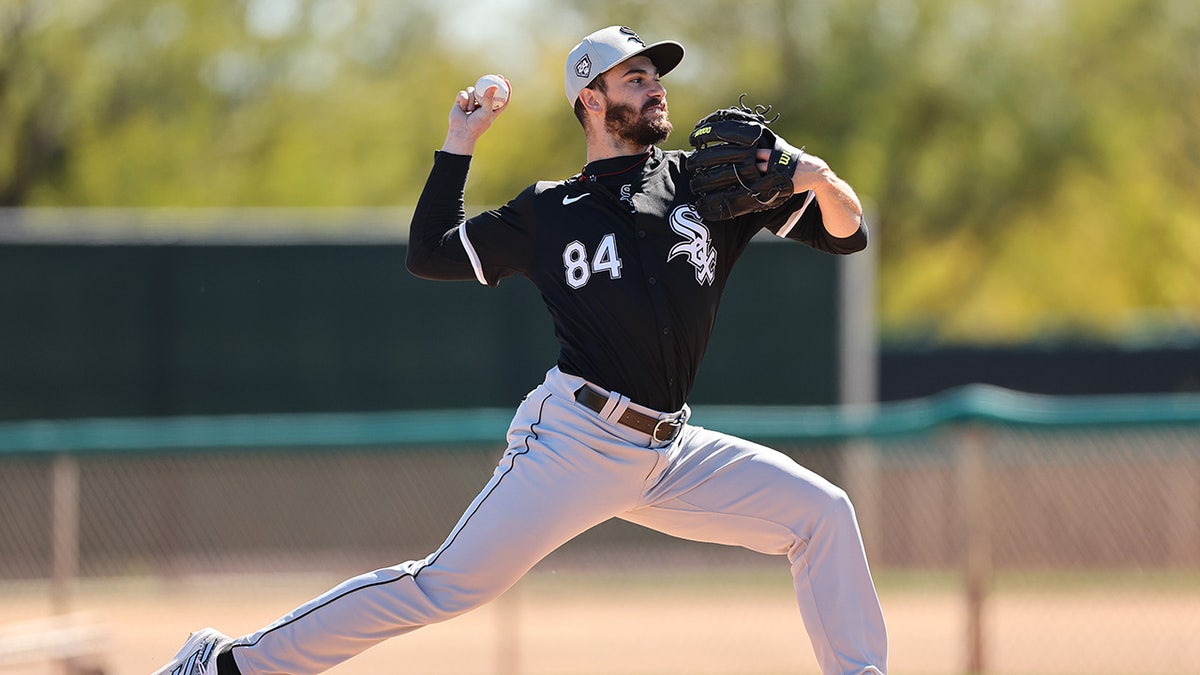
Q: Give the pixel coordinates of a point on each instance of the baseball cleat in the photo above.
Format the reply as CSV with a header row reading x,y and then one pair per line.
x,y
199,654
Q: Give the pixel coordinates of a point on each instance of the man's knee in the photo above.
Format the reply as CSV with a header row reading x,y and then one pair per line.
x,y
447,596
837,505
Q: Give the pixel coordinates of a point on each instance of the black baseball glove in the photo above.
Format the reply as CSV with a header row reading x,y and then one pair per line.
x,y
724,165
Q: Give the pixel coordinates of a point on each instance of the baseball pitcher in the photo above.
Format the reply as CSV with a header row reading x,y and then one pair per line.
x,y
631,256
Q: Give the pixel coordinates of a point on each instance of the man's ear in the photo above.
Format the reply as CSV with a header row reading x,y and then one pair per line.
x,y
591,100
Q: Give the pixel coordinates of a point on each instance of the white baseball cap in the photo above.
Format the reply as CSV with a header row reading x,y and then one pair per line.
x,y
607,47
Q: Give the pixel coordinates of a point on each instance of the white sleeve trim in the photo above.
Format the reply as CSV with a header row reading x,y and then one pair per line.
x,y
475,264
795,217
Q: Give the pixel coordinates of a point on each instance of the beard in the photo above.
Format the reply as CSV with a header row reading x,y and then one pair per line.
x,y
628,124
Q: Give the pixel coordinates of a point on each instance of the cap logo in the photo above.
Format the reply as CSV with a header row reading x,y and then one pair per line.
x,y
583,67
632,36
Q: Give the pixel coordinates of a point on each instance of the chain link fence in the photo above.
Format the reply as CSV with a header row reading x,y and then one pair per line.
x,y
1065,533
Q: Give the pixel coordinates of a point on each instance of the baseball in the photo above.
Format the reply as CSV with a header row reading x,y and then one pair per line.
x,y
502,90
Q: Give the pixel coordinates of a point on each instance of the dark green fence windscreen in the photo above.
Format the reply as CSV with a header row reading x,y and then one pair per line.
x,y
149,330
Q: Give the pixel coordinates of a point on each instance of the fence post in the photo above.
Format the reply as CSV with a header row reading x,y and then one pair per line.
x,y
508,633
861,480
64,510
972,478
1182,517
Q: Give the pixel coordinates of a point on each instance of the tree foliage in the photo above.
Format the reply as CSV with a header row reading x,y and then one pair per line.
x,y
1030,166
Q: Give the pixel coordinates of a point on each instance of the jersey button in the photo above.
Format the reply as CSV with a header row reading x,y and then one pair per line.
x,y
666,331
652,281
641,234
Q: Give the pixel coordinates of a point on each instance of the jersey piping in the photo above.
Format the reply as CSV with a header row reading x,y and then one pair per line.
x,y
472,255
795,217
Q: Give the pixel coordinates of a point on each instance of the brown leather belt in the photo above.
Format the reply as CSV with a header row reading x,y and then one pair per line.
x,y
660,430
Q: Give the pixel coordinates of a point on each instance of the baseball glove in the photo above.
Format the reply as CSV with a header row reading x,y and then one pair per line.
x,y
725,175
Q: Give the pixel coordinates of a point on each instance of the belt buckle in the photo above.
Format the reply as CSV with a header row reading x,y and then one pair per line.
x,y
673,427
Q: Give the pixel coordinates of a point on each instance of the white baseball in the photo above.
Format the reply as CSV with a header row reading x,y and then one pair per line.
x,y
502,90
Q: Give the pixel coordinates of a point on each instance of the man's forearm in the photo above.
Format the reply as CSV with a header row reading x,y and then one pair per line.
x,y
841,209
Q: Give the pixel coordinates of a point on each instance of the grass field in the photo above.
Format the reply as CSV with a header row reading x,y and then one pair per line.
x,y
694,623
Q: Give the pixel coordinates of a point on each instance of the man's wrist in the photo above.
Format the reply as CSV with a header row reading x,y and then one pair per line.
x,y
458,144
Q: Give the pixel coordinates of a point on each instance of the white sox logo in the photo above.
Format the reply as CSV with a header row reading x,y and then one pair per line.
x,y
631,36
698,245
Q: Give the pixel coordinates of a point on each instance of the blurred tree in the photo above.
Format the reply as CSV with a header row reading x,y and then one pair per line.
x,y
1030,165
34,124
224,103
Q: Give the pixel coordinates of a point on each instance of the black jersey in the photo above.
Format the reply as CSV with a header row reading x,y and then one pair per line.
x,y
630,273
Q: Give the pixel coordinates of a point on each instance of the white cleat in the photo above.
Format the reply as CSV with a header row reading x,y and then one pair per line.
x,y
199,654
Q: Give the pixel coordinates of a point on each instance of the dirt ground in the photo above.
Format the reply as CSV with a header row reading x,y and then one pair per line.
x,y
585,625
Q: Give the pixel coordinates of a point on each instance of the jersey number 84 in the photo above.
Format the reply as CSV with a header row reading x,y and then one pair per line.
x,y
579,269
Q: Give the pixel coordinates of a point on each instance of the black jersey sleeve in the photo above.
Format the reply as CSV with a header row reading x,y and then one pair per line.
x,y
444,245
434,251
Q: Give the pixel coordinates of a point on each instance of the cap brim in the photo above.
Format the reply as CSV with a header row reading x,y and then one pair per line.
x,y
665,55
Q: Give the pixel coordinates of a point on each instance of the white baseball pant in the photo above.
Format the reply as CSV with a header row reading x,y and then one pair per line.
x,y
566,470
